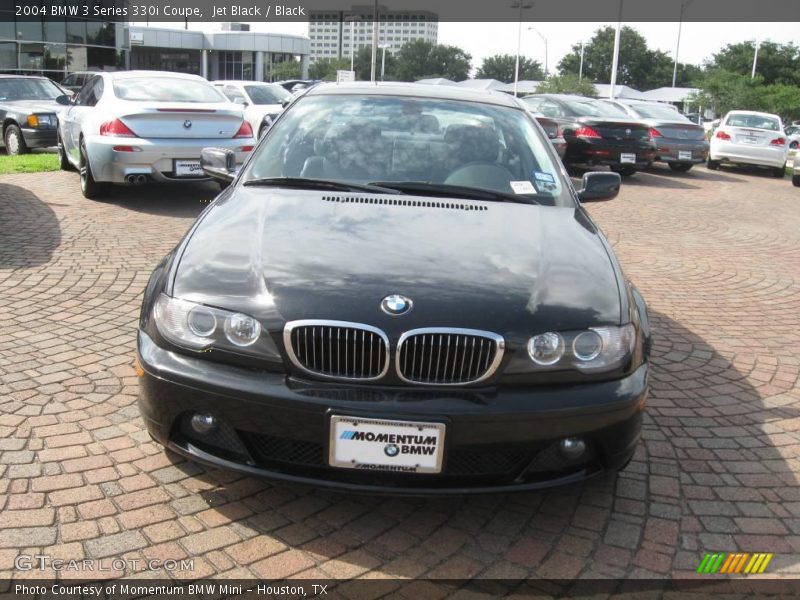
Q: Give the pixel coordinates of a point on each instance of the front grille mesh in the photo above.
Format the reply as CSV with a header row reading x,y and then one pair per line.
x,y
347,352
447,358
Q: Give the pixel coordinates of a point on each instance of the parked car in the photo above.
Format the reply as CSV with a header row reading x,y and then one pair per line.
x,y
131,127
375,307
76,80
679,142
553,131
796,170
597,133
28,112
793,135
260,100
749,138
297,85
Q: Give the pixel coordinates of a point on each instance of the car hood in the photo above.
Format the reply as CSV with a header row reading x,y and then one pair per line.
x,y
283,255
33,106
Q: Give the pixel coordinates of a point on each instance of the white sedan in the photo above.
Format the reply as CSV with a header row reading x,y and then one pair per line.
x,y
132,127
749,138
258,99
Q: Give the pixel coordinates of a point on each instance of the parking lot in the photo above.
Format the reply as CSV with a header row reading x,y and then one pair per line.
x,y
716,255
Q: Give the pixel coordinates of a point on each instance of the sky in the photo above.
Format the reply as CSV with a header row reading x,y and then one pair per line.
x,y
698,40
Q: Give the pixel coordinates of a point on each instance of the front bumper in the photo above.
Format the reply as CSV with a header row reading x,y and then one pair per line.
x,y
40,137
744,154
674,149
153,158
497,439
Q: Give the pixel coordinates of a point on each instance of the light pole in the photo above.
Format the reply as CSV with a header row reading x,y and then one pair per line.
x,y
755,60
580,69
352,20
544,39
374,40
383,47
520,4
615,60
678,45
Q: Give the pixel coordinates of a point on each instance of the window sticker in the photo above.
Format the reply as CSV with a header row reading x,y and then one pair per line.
x,y
522,187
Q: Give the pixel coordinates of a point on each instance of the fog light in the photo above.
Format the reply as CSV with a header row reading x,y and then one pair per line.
x,y
572,448
203,423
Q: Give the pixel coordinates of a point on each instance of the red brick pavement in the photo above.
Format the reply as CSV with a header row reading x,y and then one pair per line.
x,y
717,255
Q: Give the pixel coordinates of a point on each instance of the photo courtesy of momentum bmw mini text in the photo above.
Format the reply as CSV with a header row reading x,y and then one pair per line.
x,y
399,299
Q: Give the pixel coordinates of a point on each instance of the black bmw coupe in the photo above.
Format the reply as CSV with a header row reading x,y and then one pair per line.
x,y
399,292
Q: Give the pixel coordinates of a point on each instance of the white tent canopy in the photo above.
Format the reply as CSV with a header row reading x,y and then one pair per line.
x,y
669,94
620,91
525,86
437,81
481,84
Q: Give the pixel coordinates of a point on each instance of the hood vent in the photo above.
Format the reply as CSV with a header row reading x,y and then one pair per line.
x,y
400,202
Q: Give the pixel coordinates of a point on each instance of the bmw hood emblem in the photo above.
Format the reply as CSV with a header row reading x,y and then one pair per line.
x,y
391,450
187,124
395,304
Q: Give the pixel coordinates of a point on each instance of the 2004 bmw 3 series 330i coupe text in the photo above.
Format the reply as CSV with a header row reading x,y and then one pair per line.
x,y
399,292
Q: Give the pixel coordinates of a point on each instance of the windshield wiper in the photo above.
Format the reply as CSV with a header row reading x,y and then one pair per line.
x,y
453,191
306,183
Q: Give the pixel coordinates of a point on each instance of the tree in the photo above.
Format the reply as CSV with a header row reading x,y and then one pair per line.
x,y
325,68
639,66
363,65
420,60
777,63
567,84
501,67
723,91
287,69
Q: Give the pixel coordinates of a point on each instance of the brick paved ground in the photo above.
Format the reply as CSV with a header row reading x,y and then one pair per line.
x,y
717,255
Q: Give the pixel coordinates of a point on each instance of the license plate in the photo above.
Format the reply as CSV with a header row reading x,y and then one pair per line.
x,y
684,155
188,168
381,445
627,158
749,140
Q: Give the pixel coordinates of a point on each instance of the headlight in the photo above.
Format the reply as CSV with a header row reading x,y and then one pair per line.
x,y
199,327
594,350
38,120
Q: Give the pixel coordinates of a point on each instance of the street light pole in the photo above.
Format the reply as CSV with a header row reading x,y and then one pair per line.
x,y
374,40
755,60
520,5
678,45
383,58
580,69
352,20
615,60
544,39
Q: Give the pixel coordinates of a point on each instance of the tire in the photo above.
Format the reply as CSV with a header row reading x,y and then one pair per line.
x,y
15,143
712,165
796,180
778,172
793,145
89,187
624,171
680,167
63,161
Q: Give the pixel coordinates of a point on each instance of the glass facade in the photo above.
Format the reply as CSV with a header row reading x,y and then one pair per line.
x,y
166,59
56,47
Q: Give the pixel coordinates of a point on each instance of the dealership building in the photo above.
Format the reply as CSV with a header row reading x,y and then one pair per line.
x,y
55,48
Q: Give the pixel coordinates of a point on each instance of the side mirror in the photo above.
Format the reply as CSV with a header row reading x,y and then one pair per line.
x,y
218,163
64,100
286,103
599,185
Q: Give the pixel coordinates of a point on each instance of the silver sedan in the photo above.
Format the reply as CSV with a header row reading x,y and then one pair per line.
x,y
137,126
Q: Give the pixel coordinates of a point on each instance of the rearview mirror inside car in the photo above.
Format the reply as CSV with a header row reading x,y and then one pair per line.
x,y
599,185
218,163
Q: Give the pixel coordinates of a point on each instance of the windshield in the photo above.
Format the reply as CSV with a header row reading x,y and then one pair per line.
x,y
754,121
29,89
654,111
267,94
165,89
362,139
592,108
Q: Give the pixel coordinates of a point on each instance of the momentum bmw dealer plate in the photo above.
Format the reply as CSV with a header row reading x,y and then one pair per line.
x,y
627,158
188,168
380,445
